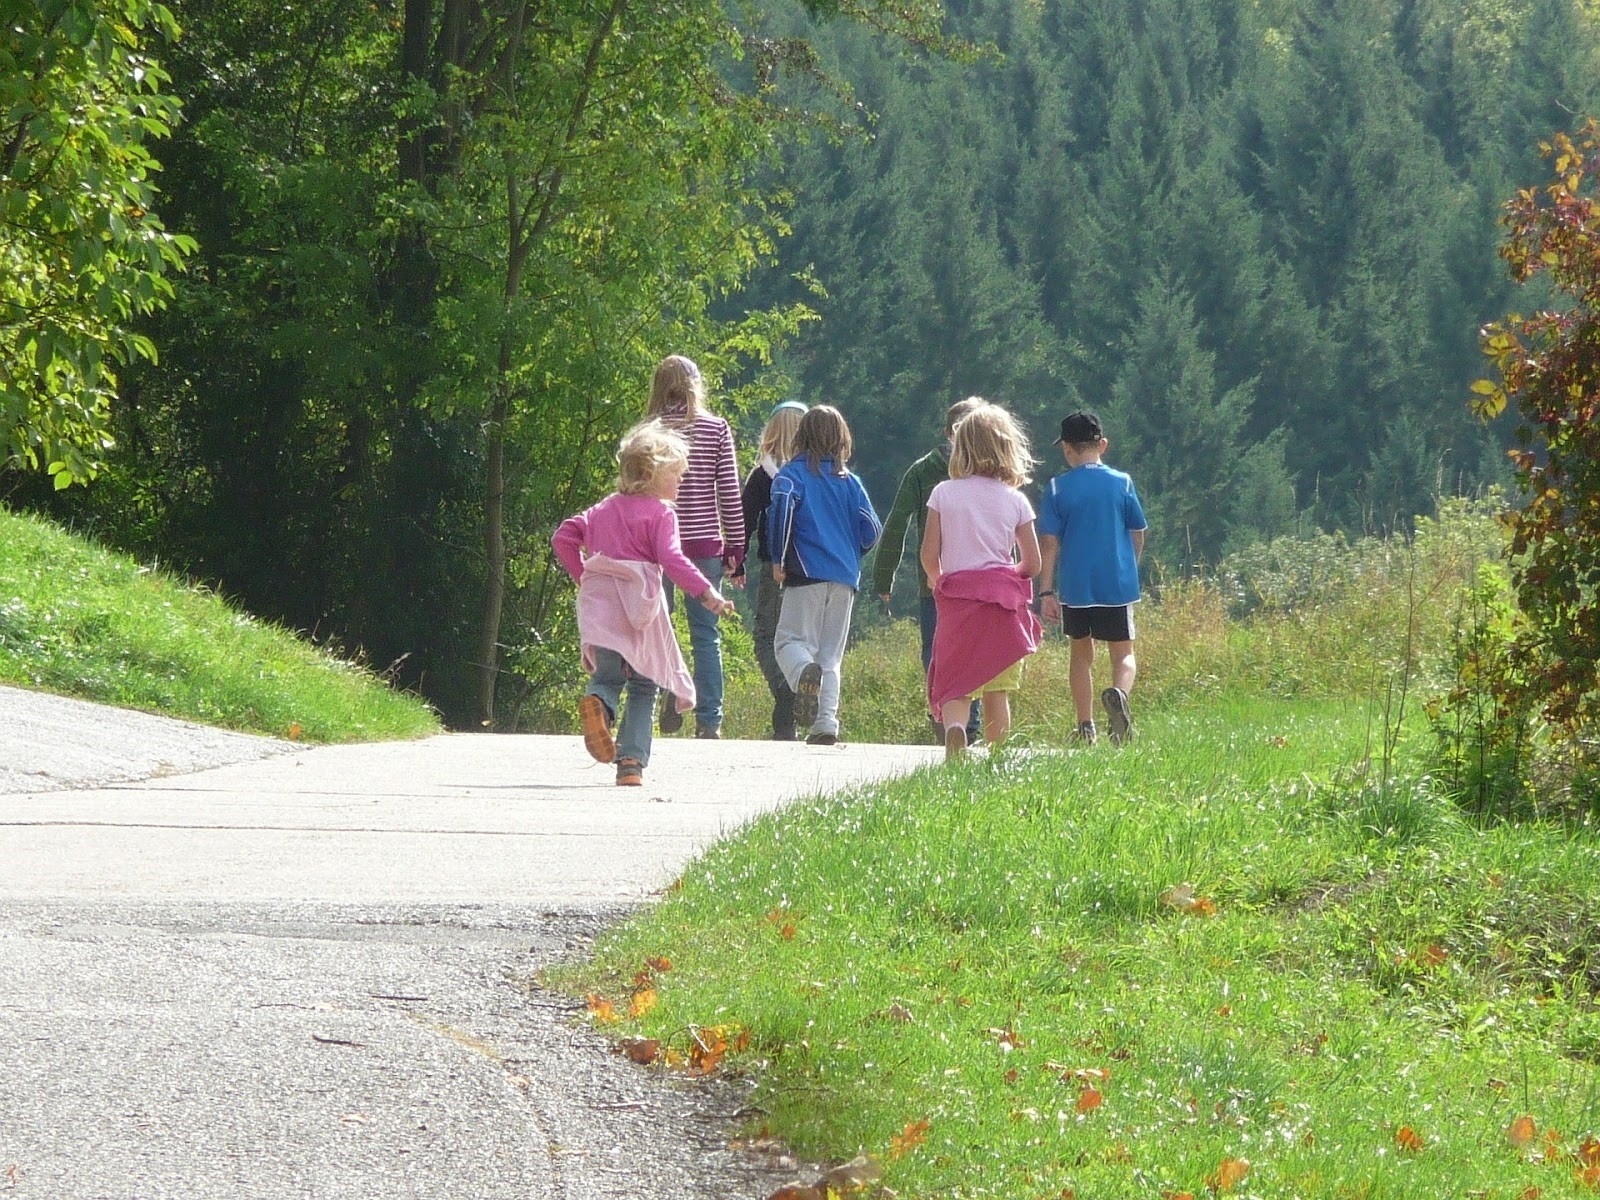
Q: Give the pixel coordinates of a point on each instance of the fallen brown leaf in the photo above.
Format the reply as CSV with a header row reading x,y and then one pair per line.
x,y
641,1050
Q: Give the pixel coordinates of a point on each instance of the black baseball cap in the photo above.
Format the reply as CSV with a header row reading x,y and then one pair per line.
x,y
1081,428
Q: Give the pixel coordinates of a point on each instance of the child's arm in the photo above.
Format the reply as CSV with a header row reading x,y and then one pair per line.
x,y
868,528
1028,543
729,501
568,542
753,500
930,546
780,522
893,544
668,551
1049,602
1138,544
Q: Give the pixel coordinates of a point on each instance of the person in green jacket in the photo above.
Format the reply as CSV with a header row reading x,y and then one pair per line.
x,y
911,501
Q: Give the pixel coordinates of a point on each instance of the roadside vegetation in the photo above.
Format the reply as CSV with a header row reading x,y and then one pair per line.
x,y
1275,948
81,621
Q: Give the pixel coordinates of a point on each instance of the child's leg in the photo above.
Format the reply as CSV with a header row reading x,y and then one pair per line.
x,y
799,625
609,676
833,633
953,713
634,734
769,598
996,716
1123,666
1081,673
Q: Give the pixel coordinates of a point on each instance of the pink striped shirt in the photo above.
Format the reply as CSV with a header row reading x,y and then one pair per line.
x,y
710,516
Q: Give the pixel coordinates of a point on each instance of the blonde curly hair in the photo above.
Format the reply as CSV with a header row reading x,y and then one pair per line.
x,y
648,449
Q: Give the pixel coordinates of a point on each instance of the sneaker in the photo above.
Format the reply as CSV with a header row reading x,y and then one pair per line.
x,y
630,772
955,743
785,734
1085,733
1121,721
711,732
823,739
806,693
596,723
670,720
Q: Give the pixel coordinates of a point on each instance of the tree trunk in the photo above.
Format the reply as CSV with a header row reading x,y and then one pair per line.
x,y
494,546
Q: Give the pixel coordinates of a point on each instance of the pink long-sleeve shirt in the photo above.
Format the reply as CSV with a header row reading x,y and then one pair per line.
x,y
635,528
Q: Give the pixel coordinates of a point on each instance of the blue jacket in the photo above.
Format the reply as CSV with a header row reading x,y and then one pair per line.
x,y
819,525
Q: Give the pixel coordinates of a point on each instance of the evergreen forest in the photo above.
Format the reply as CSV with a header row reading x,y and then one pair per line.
x,y
401,268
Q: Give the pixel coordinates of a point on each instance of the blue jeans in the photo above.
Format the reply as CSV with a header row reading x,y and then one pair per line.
x,y
927,622
612,676
705,648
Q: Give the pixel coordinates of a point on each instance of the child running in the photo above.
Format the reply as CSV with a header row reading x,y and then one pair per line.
x,y
819,525
980,553
777,448
617,552
1092,518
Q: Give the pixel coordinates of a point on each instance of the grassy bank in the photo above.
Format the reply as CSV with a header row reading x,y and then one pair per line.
x,y
994,977
81,621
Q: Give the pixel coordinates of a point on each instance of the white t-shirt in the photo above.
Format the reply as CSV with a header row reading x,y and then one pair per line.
x,y
978,519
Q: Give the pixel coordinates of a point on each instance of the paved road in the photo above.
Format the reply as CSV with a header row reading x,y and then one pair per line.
x,y
236,967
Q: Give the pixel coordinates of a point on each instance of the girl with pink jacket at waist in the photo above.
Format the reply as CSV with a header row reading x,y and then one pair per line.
x,y
981,553
618,551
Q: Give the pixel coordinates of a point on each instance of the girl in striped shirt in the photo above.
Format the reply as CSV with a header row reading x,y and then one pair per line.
x,y
710,523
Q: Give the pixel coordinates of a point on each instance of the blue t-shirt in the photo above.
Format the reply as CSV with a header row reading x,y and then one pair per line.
x,y
1093,510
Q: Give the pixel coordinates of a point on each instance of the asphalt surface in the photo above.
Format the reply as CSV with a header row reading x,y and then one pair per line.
x,y
238,967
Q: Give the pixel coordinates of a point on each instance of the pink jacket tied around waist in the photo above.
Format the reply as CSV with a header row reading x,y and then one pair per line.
x,y
986,623
622,606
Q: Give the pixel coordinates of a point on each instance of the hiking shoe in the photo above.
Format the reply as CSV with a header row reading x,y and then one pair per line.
x,y
1085,733
630,772
955,743
711,732
823,739
806,693
596,723
670,720
1121,721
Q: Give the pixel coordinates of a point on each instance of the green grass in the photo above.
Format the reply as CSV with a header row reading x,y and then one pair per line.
x,y
80,621
1375,963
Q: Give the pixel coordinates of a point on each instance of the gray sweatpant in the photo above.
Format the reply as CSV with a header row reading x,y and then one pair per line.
x,y
813,626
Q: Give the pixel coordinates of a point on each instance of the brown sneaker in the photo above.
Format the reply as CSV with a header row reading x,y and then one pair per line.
x,y
955,743
596,724
629,772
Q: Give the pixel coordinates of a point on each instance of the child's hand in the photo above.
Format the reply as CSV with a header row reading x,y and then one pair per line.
x,y
717,603
777,572
1050,609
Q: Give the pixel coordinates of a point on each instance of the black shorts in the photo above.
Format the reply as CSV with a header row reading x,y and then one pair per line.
x,y
1104,623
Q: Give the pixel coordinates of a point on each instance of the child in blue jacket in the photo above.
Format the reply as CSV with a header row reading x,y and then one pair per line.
x,y
819,524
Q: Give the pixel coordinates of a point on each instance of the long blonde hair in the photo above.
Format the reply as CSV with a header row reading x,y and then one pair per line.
x,y
824,434
648,449
989,442
677,385
777,437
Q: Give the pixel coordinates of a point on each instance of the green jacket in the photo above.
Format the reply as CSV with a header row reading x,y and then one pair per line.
x,y
910,500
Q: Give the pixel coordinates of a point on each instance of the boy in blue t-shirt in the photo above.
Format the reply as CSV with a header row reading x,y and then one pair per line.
x,y
1091,534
